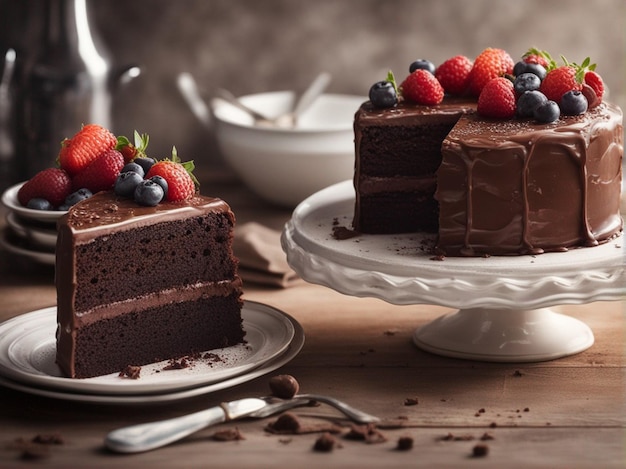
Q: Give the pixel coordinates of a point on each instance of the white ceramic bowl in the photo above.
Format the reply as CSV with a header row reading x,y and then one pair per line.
x,y
285,166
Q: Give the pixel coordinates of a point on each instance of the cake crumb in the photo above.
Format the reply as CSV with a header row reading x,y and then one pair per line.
x,y
405,443
325,443
284,386
411,401
229,434
367,432
131,371
480,451
517,373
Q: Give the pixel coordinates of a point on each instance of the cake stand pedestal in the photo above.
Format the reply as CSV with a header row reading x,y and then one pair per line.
x,y
502,303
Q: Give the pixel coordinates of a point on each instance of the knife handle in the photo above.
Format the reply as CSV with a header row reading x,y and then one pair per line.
x,y
147,436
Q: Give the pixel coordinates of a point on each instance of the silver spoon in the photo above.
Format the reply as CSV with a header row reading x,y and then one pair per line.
x,y
288,119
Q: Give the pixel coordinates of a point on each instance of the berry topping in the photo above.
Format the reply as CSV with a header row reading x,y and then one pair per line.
x,y
77,196
593,80
179,176
490,63
383,94
148,193
526,82
497,99
38,203
453,74
101,173
573,103
547,112
145,162
133,167
52,184
422,87
84,147
559,81
528,102
161,182
134,150
422,64
126,183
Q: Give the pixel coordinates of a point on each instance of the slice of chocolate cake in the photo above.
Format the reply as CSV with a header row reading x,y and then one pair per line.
x,y
138,284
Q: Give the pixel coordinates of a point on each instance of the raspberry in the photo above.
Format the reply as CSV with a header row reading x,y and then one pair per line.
x,y
497,99
453,74
422,87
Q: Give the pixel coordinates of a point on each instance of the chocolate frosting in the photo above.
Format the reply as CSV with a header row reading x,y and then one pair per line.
x,y
518,187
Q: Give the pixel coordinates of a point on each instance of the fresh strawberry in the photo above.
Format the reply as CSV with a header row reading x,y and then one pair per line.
x,y
595,82
52,184
132,150
101,173
422,87
181,183
536,56
490,63
497,99
559,81
79,151
453,74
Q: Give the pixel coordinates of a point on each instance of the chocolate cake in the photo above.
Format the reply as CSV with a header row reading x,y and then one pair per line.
x,y
137,285
491,173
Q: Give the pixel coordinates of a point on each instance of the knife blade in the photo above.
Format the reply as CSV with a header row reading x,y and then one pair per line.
x,y
147,436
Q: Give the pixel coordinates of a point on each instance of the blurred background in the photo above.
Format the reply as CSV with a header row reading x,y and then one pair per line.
x,y
251,46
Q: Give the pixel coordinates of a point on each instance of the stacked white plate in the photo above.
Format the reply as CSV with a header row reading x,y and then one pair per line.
x,y
29,233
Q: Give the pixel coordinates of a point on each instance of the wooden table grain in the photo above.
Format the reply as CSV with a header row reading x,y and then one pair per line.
x,y
566,413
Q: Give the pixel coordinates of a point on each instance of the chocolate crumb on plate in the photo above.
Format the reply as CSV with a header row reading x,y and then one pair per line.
x,y
479,451
405,443
228,434
367,432
131,371
411,401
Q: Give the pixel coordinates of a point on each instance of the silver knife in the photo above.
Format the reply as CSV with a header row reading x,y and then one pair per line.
x,y
151,435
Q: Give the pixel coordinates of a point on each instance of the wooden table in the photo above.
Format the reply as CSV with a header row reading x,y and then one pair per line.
x,y
568,413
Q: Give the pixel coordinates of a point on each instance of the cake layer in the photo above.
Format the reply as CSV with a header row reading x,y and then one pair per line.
x,y
157,333
518,187
397,153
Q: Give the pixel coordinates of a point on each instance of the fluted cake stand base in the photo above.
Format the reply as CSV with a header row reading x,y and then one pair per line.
x,y
503,303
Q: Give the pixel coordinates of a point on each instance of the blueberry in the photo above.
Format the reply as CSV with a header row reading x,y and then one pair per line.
x,y
523,67
133,167
422,64
383,95
126,183
573,103
75,197
526,82
148,193
528,101
547,112
161,182
38,203
145,162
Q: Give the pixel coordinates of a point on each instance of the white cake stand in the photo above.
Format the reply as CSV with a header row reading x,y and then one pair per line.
x,y
503,302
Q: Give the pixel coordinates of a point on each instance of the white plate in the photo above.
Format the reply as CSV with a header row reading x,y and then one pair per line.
x,y
121,399
9,198
9,245
46,238
394,267
28,349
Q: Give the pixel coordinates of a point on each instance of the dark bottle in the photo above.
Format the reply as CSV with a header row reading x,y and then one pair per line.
x,y
68,84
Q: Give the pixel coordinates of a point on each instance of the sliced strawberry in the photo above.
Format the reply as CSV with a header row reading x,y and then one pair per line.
x,y
52,184
101,173
84,147
179,176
